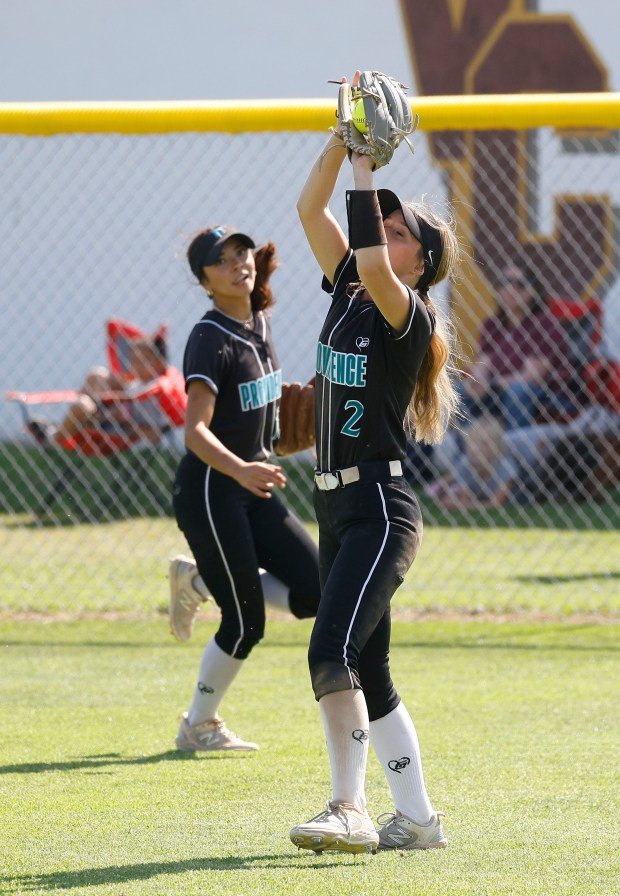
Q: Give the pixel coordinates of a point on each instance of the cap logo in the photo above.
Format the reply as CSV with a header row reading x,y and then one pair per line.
x,y
430,257
218,232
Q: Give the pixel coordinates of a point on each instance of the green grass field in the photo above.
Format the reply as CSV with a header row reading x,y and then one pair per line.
x,y
122,567
517,716
518,725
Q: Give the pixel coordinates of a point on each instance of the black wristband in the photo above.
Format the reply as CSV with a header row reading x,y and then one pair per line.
x,y
365,219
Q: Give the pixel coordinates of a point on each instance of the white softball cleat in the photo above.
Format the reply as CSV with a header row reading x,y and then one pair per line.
x,y
207,736
187,592
340,828
398,831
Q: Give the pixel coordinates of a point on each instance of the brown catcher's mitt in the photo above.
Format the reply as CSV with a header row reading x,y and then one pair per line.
x,y
296,418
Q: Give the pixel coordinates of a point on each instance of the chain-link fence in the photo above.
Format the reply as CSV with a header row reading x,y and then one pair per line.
x,y
94,227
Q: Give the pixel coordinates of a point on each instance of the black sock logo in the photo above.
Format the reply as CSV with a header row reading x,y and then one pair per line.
x,y
359,735
397,765
205,688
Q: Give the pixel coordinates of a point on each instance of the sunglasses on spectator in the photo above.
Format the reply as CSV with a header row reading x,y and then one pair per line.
x,y
515,280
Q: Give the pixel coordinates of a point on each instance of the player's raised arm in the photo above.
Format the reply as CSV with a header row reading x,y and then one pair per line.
x,y
385,274
324,234
327,241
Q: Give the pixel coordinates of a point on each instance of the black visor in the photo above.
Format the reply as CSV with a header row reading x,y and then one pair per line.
x,y
428,236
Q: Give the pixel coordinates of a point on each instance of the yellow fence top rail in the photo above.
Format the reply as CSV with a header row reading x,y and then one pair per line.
x,y
437,113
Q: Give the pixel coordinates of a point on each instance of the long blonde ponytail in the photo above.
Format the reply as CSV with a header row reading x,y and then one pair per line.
x,y
435,400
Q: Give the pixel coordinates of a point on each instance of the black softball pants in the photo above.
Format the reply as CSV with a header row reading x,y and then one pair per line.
x,y
232,533
369,535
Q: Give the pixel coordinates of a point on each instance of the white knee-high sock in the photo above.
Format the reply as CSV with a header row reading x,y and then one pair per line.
x,y
395,741
216,673
345,720
275,592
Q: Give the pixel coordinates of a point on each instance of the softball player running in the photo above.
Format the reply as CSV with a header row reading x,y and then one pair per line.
x,y
382,357
223,495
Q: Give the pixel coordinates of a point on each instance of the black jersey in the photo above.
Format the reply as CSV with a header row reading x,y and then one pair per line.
x,y
365,374
240,365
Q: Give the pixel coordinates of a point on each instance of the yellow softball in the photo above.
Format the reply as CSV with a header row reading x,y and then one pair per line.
x,y
359,116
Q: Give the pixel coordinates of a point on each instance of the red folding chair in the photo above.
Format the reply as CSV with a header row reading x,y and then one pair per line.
x,y
166,394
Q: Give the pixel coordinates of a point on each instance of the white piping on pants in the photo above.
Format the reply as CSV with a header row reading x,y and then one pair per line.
x,y
223,556
359,600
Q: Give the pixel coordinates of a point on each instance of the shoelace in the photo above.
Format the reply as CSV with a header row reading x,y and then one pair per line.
x,y
333,809
339,812
223,729
322,816
389,818
218,726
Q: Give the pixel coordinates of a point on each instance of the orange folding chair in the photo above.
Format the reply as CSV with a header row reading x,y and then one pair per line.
x,y
164,397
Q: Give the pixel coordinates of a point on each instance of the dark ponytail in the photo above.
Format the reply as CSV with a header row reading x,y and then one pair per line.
x,y
266,263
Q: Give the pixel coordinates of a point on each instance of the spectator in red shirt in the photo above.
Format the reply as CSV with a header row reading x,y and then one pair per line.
x,y
523,353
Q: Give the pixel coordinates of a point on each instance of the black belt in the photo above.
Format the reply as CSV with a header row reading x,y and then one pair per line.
x,y
368,470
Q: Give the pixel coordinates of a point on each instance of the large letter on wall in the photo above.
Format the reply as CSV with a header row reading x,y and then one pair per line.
x,y
498,46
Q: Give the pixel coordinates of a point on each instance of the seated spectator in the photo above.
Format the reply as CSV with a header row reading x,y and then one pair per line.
x,y
104,405
594,433
483,475
523,354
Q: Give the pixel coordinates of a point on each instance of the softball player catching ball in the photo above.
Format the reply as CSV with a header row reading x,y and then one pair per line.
x,y
248,547
382,358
